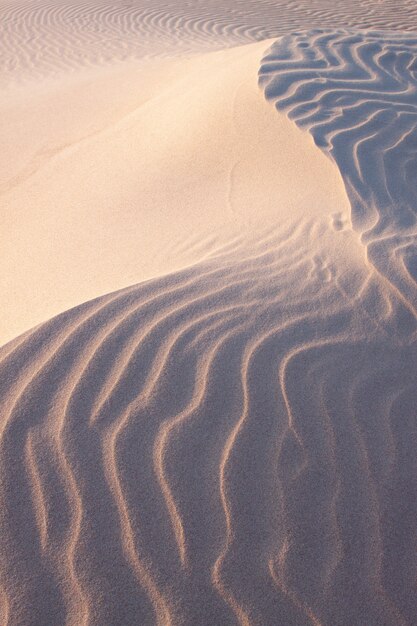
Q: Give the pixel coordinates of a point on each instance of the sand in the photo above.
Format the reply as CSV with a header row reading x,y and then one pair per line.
x,y
209,313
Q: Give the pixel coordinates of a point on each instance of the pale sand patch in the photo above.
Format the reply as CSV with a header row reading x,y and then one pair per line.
x,y
154,167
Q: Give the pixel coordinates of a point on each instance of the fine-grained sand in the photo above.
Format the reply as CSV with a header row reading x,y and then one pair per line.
x,y
208,377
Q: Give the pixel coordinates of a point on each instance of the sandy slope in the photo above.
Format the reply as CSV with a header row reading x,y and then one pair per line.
x,y
227,436
194,161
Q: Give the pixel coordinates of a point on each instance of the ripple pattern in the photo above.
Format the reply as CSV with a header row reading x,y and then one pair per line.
x,y
41,38
355,92
230,444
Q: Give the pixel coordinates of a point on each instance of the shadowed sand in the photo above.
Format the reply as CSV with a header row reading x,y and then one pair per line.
x,y
228,435
357,95
228,444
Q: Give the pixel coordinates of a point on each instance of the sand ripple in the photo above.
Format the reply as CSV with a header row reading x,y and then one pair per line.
x,y
43,38
224,445
356,94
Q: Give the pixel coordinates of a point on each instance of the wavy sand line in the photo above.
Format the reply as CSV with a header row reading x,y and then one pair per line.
x,y
166,431
178,291
250,353
41,38
355,93
38,500
162,609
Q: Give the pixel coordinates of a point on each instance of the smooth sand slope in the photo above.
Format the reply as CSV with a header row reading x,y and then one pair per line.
x,y
198,159
219,426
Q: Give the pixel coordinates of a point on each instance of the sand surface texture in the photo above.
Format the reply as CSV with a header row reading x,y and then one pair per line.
x,y
208,371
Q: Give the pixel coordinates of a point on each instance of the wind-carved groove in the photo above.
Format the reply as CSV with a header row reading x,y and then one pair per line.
x,y
241,614
169,426
38,494
355,92
361,422
279,338
307,449
162,610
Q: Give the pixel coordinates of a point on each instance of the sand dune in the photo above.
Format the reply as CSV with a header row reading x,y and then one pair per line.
x,y
117,201
208,372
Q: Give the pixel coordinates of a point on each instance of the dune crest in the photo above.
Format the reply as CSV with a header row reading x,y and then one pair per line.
x,y
228,163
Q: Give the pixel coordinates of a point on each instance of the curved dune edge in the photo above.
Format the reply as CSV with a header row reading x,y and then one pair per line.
x,y
92,199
